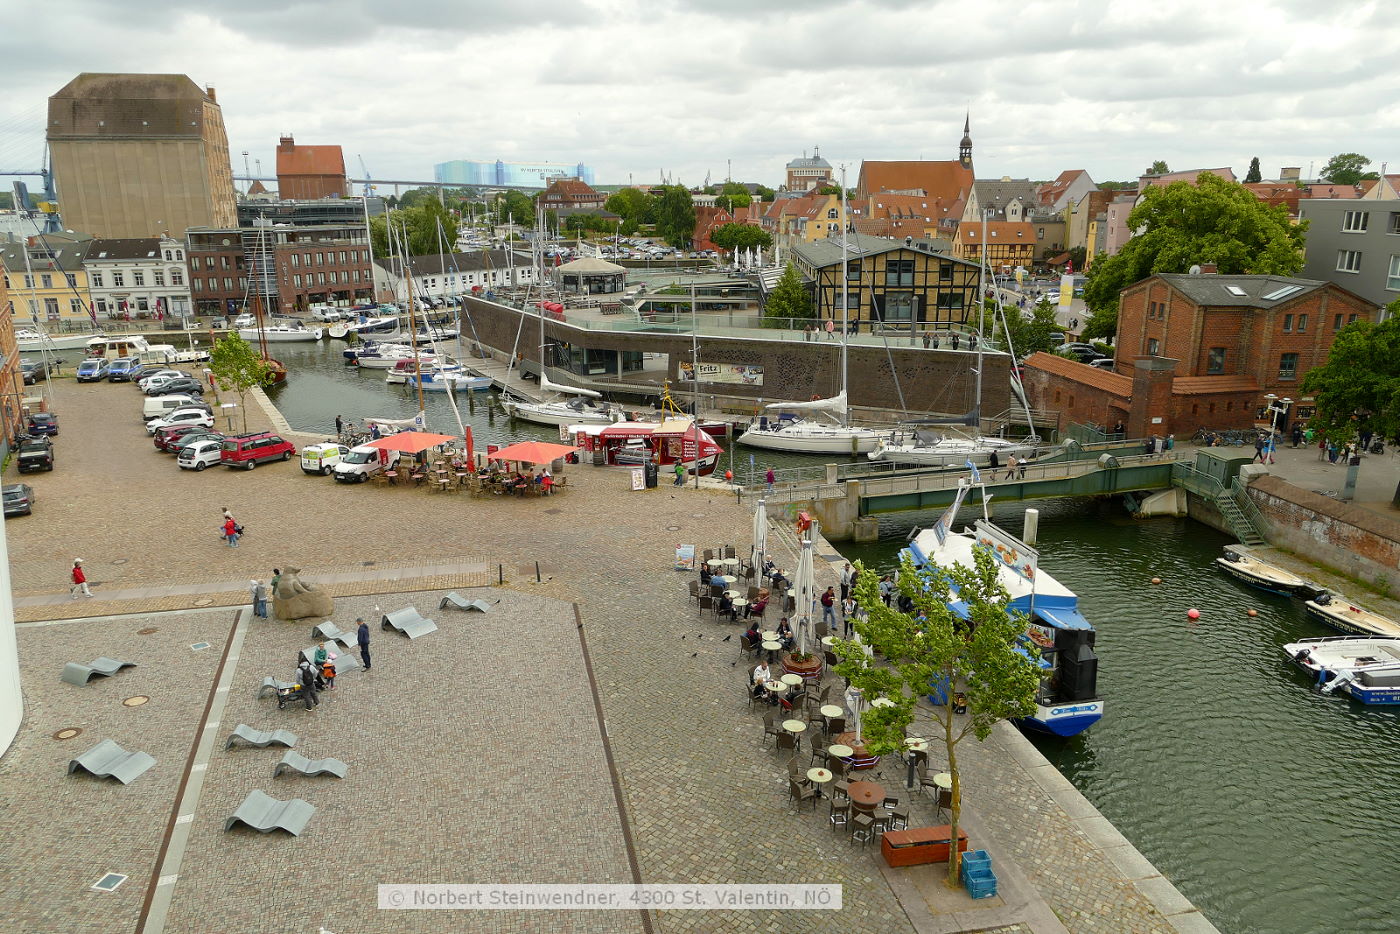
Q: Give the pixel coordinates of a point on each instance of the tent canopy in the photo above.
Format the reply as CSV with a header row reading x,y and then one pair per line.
x,y
533,452
410,442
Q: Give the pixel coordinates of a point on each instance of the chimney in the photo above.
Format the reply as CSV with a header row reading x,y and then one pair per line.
x,y
210,92
1290,173
285,144
1208,269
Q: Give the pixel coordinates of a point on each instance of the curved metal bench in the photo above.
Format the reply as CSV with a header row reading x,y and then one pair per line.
x,y
109,760
296,762
75,673
460,602
334,633
265,813
261,738
408,621
344,660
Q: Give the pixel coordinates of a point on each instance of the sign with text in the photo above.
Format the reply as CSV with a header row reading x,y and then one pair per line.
x,y
734,374
1009,550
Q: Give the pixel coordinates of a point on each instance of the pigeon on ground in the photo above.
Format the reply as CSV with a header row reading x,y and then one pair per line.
x,y
727,638
693,654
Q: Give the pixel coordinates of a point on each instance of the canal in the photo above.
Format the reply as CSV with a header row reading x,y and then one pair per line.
x,y
1267,804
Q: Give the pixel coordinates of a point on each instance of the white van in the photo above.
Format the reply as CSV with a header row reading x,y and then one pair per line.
x,y
322,458
199,455
161,406
361,463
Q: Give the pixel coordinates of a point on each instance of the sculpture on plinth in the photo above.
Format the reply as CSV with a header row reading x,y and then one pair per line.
x,y
295,599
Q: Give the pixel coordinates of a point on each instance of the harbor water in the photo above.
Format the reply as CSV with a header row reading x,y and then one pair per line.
x,y
1266,803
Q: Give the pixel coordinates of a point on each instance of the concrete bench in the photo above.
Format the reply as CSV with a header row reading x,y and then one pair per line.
x,y
261,738
343,660
109,760
296,762
74,673
408,622
273,685
265,813
334,633
455,599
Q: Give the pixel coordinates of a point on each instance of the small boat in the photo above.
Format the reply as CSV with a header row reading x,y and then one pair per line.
x,y
386,356
1366,668
364,324
437,377
113,347
570,406
426,335
1341,614
816,427
281,333
1247,568
28,339
915,445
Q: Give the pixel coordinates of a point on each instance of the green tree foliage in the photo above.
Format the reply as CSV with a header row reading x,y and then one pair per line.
x,y
7,201
1077,256
788,300
1117,186
1347,168
1212,221
1158,167
1253,175
675,216
577,223
236,366
1359,385
514,207
765,193
420,222
632,204
733,195
1031,330
740,237
979,657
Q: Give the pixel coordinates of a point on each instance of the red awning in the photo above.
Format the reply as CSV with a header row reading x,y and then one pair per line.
x,y
533,452
410,442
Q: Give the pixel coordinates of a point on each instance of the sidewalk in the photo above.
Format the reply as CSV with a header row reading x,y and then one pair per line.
x,y
1304,468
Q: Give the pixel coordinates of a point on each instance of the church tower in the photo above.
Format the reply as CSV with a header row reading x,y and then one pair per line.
x,y
965,147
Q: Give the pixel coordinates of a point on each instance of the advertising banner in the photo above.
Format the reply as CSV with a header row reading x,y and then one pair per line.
x,y
734,374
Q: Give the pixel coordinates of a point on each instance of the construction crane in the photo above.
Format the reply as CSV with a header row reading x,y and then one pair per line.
x,y
369,188
49,205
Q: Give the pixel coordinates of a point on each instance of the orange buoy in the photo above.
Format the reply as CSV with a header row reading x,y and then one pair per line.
x,y
1253,612
1193,613
1156,580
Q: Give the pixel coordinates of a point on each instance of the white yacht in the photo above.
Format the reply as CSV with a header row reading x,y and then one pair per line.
x,y
915,445
29,340
570,406
281,333
818,427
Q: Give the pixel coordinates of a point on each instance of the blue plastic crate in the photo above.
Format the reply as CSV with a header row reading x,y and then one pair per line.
x,y
976,858
981,888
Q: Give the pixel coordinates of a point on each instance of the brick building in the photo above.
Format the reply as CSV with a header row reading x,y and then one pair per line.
x,y
296,267
11,383
570,193
306,173
707,221
1201,351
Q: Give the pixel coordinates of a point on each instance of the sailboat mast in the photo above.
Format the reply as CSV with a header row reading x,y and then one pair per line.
x,y
259,271
845,290
981,314
412,322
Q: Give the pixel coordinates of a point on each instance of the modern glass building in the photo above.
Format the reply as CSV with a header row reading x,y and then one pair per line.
x,y
524,174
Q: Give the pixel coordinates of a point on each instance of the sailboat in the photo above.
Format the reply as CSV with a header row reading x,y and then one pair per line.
x,y
276,370
818,426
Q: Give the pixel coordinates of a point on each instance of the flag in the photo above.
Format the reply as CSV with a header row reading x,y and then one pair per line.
x,y
976,476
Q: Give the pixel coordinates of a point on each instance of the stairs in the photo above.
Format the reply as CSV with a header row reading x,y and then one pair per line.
x,y
1239,523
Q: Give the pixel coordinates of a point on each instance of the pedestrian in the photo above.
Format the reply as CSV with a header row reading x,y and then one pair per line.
x,y
680,474
769,479
831,329
1296,437
328,673
887,589
848,615
1074,324
1171,442
1011,464
339,426
1332,452
80,585
955,340
847,575
259,593
231,532
362,638
1021,467
307,676
1365,440
1149,445
935,341
993,464
1259,448
1118,430
272,584
927,339
1308,436
1269,450
828,600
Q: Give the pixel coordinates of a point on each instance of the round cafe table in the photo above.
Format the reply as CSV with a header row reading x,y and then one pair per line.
x,y
916,744
828,641
723,578
831,710
729,562
790,679
944,780
772,646
866,796
731,594
775,686
715,562
819,777
739,603
794,726
840,751
769,635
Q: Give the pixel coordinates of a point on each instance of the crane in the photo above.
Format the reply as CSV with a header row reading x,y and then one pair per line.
x,y
369,188
49,205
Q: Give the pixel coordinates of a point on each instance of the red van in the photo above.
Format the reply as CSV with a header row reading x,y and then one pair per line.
x,y
250,449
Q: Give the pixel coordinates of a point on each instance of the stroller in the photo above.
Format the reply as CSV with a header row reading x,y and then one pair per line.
x,y
288,695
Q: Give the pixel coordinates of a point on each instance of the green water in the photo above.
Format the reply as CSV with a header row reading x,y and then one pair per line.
x,y
1272,808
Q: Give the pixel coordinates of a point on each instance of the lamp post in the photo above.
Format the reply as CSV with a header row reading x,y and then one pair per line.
x,y
1277,407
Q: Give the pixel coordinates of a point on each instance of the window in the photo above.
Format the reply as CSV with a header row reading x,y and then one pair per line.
x,y
1336,322
1348,261
95,278
1211,408
320,278
852,270
1355,221
356,274
1152,346
1351,319
1392,276
118,278
223,262
71,279
335,277
75,306
899,306
196,285
138,277
306,260
899,272
177,277
296,282
28,281
1039,235
1288,366
1215,361
46,280
945,272
179,256
51,308
342,257
102,306
1287,323
142,304
167,256
1302,323
158,277
320,259
228,284
831,214
296,262
1394,226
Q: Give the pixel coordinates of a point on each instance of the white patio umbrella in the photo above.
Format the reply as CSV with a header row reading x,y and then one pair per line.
x,y
760,257
804,590
760,534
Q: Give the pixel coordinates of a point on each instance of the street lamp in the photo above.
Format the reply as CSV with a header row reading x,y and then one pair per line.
x,y
1277,407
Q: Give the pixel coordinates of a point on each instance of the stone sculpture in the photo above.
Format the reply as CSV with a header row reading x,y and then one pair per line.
x,y
295,599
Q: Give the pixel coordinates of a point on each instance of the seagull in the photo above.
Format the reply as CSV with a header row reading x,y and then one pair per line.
x,y
727,638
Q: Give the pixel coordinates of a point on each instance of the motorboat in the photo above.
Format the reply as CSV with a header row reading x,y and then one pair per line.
x,y
380,326
1068,702
426,334
1244,566
29,340
114,347
632,444
282,333
815,427
439,377
1366,668
1339,613
377,356
570,406
919,445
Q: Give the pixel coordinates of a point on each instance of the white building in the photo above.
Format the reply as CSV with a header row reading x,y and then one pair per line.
x,y
140,277
446,274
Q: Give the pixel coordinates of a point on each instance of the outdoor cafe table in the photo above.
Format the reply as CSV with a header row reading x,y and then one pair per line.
x,y
723,578
790,679
772,646
739,602
944,780
819,777
393,476
831,710
728,562
866,796
731,594
794,726
828,641
768,635
917,746
840,751
775,687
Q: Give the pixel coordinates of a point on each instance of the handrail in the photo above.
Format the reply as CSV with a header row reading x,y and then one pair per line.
x,y
1246,503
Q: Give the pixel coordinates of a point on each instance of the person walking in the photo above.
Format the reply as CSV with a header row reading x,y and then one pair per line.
x,y
80,585
231,532
831,329
259,593
847,575
848,615
307,676
887,589
769,479
362,638
680,474
1259,448
1011,465
828,600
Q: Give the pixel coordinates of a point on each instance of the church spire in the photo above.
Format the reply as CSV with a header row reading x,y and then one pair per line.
x,y
965,147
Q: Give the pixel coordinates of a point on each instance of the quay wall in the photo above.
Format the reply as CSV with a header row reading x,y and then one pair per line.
x,y
1357,542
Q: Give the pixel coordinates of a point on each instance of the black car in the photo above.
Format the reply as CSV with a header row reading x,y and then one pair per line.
x,y
33,371
34,454
19,499
43,423
190,386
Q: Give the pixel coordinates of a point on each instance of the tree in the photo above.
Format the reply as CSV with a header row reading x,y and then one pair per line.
x,y
421,224
788,300
633,205
1077,257
1359,385
740,237
729,200
1032,332
1346,169
236,366
1212,221
765,193
675,216
515,207
1253,175
980,658
1159,167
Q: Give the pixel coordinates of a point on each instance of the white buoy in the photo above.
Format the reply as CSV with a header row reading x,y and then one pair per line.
x,y
1031,526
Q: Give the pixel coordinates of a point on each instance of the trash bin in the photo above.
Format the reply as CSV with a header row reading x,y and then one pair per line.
x,y
651,475
600,457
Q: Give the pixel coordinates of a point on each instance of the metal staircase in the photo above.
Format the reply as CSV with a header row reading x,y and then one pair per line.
x,y
1232,501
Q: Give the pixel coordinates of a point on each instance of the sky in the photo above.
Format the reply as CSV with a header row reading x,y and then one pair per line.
x,y
736,88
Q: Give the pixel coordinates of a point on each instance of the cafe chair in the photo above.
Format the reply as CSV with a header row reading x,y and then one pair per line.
x,y
881,817
862,829
840,814
771,726
695,590
899,817
786,740
945,802
798,794
818,747
752,698
823,630
706,603
840,790
835,726
708,555
797,773
748,645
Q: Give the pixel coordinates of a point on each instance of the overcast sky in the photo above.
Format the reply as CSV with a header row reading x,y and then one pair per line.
x,y
637,88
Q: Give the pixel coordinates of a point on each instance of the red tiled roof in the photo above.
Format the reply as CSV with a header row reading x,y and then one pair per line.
x,y
297,159
1199,385
571,186
948,180
1328,190
1082,373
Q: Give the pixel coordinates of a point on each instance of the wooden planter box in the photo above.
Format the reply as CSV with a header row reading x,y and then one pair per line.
x,y
810,670
919,845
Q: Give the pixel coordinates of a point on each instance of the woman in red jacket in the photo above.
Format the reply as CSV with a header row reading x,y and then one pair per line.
x,y
231,532
79,580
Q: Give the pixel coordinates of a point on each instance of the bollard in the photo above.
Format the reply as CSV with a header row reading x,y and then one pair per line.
x,y
1031,526
537,572
500,574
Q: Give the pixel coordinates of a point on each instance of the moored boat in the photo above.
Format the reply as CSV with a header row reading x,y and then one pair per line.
x,y
28,339
816,427
1366,668
364,324
281,333
570,406
1244,566
1340,613
913,445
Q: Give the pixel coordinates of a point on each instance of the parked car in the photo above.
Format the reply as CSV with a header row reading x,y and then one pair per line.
x,y
245,321
200,454
43,423
19,499
92,370
149,379
326,313
161,406
119,370
248,450
1103,363
197,417
34,454
195,437
359,464
186,385
168,439
322,458
33,371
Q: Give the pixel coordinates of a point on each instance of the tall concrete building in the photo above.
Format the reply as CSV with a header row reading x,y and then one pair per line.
x,y
140,156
